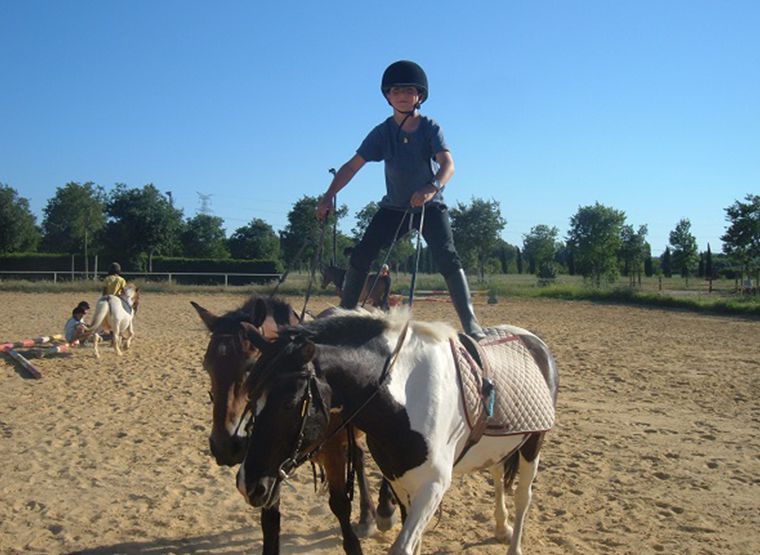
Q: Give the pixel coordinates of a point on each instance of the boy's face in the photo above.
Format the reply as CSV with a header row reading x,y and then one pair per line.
x,y
403,99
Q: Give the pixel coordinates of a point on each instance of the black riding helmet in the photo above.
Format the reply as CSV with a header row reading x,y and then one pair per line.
x,y
405,74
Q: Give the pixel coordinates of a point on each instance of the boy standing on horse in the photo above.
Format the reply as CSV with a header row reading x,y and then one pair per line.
x,y
114,284
418,165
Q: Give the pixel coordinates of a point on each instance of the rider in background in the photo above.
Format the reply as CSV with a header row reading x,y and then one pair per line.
x,y
113,283
418,165
385,278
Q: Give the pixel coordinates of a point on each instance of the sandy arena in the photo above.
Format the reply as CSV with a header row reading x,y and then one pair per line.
x,y
656,448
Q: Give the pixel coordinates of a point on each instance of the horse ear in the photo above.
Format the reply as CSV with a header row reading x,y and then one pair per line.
x,y
252,335
259,313
208,318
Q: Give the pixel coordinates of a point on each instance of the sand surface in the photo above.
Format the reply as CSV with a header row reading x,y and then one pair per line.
x,y
656,447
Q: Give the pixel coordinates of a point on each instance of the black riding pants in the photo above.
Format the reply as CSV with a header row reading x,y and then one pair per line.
x,y
436,230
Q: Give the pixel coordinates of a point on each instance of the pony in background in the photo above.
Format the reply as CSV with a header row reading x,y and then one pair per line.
x,y
117,314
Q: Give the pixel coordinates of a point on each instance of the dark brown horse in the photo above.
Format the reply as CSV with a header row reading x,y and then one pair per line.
x,y
230,355
377,296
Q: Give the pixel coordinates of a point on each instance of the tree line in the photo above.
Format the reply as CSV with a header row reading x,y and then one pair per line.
x,y
133,224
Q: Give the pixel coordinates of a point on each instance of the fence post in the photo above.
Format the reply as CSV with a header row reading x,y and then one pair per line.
x,y
55,277
225,281
170,278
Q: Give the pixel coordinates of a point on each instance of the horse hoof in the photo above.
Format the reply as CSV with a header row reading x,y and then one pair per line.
x,y
385,523
504,535
365,529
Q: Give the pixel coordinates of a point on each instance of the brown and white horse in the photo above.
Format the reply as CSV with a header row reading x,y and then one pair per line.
x,y
377,296
229,358
399,381
116,313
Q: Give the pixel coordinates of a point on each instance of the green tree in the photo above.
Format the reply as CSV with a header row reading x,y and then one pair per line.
x,y
519,260
18,229
540,247
303,231
74,219
476,230
633,251
142,222
742,238
666,263
257,240
507,255
685,252
594,238
709,271
204,237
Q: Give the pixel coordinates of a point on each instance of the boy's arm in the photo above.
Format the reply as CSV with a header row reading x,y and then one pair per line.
x,y
346,172
441,177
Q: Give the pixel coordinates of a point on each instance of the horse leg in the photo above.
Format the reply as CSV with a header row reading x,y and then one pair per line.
x,y
340,504
523,494
129,335
367,515
386,507
96,341
270,529
116,341
425,502
503,531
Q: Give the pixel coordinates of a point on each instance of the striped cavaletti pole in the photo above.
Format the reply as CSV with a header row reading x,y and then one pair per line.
x,y
28,366
26,343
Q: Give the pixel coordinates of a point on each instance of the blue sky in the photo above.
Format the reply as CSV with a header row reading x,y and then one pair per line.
x,y
650,107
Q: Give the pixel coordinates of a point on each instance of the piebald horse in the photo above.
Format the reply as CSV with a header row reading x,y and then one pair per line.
x,y
397,381
229,359
116,313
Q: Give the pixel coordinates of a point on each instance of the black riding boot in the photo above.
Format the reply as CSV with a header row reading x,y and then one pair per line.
x,y
353,284
459,292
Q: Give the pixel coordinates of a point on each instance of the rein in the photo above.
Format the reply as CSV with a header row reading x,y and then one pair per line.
x,y
417,257
390,361
387,256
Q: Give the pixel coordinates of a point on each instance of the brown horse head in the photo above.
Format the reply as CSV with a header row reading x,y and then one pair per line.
x,y
230,354
334,275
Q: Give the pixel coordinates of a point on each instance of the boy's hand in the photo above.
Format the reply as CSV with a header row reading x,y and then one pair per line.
x,y
324,207
422,196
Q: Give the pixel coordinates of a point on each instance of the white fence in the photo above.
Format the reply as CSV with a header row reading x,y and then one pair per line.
x,y
168,276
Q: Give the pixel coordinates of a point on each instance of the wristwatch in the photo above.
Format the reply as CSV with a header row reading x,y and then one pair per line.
x,y
437,184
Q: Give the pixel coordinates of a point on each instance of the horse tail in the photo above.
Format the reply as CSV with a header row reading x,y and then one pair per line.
x,y
101,312
510,469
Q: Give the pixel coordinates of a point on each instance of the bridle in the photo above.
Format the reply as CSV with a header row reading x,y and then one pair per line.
x,y
296,459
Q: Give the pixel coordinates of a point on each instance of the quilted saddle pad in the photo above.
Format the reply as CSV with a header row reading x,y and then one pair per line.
x,y
523,402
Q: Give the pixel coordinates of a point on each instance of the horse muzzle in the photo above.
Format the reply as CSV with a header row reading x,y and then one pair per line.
x,y
263,493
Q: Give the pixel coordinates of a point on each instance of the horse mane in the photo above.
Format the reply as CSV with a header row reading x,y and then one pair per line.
x,y
349,327
279,309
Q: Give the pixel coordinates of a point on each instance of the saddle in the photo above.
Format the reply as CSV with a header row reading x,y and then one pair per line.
x,y
502,388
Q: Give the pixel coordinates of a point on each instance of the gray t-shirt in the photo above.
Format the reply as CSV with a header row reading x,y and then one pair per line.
x,y
409,159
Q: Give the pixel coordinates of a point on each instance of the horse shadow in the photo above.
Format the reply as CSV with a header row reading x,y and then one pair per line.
x,y
235,542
